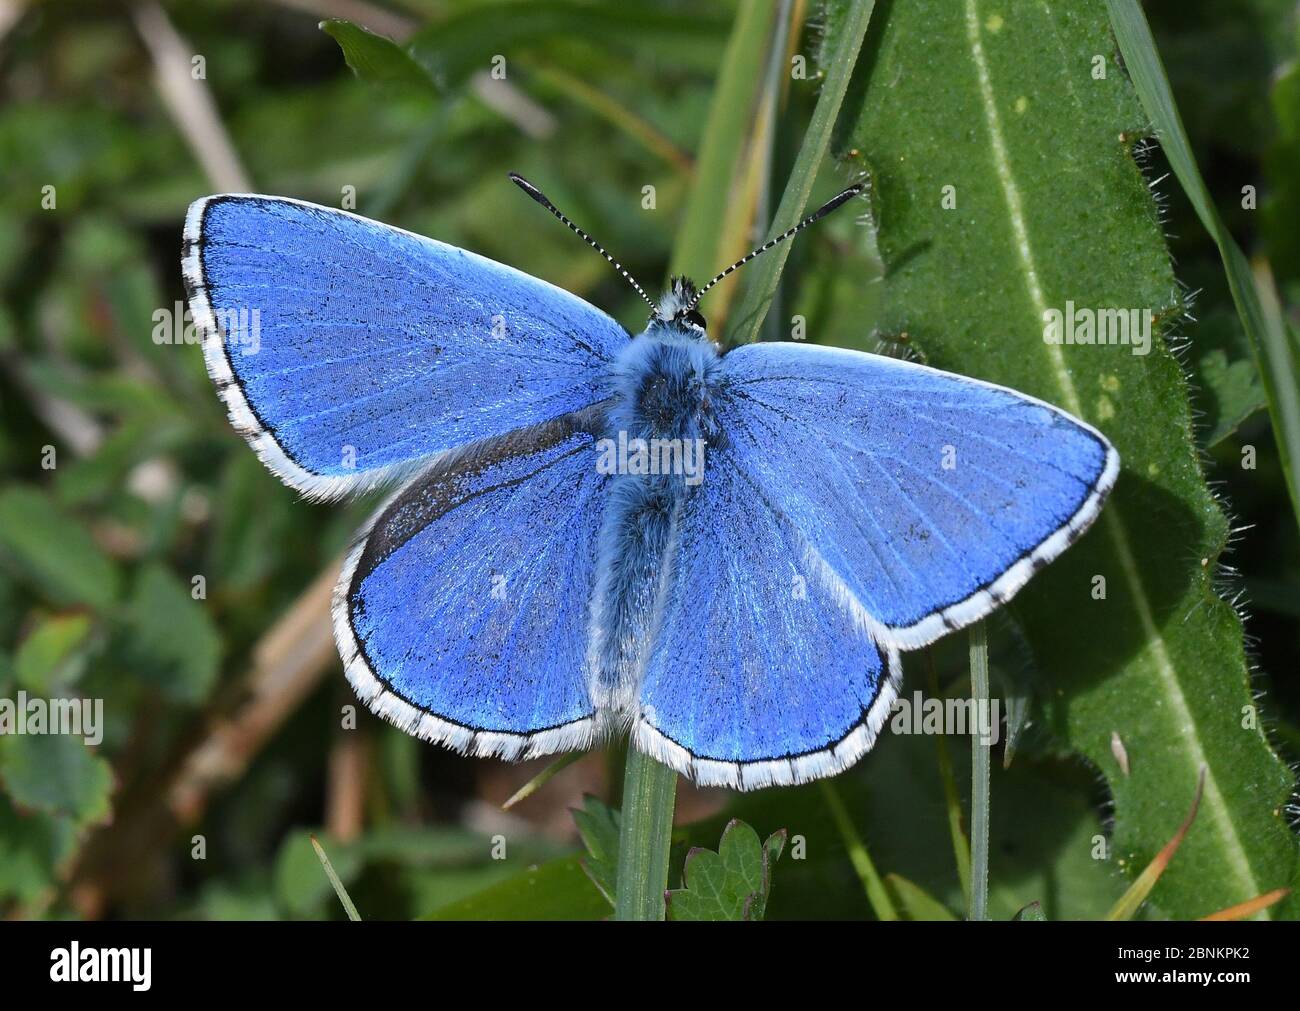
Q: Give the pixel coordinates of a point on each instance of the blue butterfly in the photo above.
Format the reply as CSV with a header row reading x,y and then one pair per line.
x,y
721,555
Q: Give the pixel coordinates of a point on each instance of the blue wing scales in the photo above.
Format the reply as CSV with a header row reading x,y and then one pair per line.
x,y
349,352
462,612
926,499
756,676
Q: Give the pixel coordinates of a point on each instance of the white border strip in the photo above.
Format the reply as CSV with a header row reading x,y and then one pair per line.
x,y
756,775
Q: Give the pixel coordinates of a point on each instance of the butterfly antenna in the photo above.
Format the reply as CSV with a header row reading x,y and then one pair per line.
x,y
541,198
821,212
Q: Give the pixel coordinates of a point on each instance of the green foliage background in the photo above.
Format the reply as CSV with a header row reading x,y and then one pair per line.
x,y
223,748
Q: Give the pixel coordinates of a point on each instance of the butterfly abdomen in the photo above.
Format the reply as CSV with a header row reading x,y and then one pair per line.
x,y
658,433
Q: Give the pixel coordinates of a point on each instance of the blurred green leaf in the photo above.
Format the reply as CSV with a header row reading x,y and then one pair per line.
x,y
52,657
559,890
33,846
915,902
972,286
54,551
453,48
375,59
251,517
1281,210
56,774
172,642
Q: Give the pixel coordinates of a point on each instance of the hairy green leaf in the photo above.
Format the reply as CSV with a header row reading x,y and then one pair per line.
x,y
1025,113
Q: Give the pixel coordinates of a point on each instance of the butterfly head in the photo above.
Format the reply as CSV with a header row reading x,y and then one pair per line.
x,y
677,308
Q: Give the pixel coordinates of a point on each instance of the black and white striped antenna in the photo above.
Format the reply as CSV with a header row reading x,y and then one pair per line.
x,y
541,198
836,201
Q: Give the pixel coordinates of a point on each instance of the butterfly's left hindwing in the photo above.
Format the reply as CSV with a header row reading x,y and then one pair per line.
x,y
347,351
461,613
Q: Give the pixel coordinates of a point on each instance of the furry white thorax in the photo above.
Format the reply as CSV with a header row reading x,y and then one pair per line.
x,y
662,385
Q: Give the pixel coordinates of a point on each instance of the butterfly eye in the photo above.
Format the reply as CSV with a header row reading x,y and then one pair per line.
x,y
696,319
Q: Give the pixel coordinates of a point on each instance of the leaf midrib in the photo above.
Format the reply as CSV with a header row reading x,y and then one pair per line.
x,y
1154,643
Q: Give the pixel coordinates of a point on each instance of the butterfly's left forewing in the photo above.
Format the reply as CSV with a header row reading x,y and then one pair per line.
x,y
348,352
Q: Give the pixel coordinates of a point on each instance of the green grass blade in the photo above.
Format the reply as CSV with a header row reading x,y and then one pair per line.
x,y
726,135
542,778
765,272
614,112
1273,352
339,890
877,894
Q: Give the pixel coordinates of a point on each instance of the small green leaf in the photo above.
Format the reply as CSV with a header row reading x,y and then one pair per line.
x,y
374,58
1225,373
56,774
1033,911
53,655
33,846
598,825
54,551
732,884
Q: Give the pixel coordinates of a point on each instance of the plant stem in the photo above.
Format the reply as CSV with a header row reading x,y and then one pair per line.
x,y
649,792
951,795
979,776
